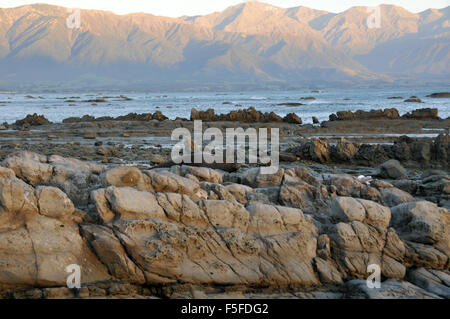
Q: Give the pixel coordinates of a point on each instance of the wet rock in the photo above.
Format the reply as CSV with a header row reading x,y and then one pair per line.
x,y
33,120
365,115
413,100
90,136
392,169
344,152
158,159
423,114
293,119
104,151
390,289
250,115
431,282
290,104
440,95
317,150
442,148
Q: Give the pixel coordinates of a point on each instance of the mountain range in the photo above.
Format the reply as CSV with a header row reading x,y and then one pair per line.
x,y
248,46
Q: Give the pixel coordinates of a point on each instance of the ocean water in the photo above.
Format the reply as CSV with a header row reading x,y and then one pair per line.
x,y
54,106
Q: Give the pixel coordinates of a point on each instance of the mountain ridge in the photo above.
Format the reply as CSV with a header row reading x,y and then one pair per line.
x,y
251,44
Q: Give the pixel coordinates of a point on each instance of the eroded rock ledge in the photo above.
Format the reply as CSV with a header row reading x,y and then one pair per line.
x,y
197,232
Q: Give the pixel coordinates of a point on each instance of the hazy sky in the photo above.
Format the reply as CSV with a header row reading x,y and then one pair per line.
x,y
176,8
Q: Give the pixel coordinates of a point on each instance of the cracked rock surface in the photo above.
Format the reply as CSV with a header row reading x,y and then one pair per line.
x,y
197,232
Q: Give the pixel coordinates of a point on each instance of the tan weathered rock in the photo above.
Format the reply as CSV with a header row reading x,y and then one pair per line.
x,y
181,209
103,209
361,238
130,203
111,252
202,173
30,167
422,222
17,203
228,214
302,190
347,209
254,178
126,176
6,173
166,182
54,203
64,247
240,192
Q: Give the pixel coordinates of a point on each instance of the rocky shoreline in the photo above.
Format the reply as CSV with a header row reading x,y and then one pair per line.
x,y
195,232
349,194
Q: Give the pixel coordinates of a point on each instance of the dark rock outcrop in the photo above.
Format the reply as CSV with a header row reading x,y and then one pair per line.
x,y
33,120
365,115
423,114
250,115
440,95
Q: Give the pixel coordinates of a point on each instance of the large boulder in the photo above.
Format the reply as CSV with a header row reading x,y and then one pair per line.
x,y
54,203
111,252
200,173
392,169
254,178
166,182
17,202
317,150
30,167
38,240
133,204
344,152
393,196
302,190
32,120
126,176
422,222
360,237
76,178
